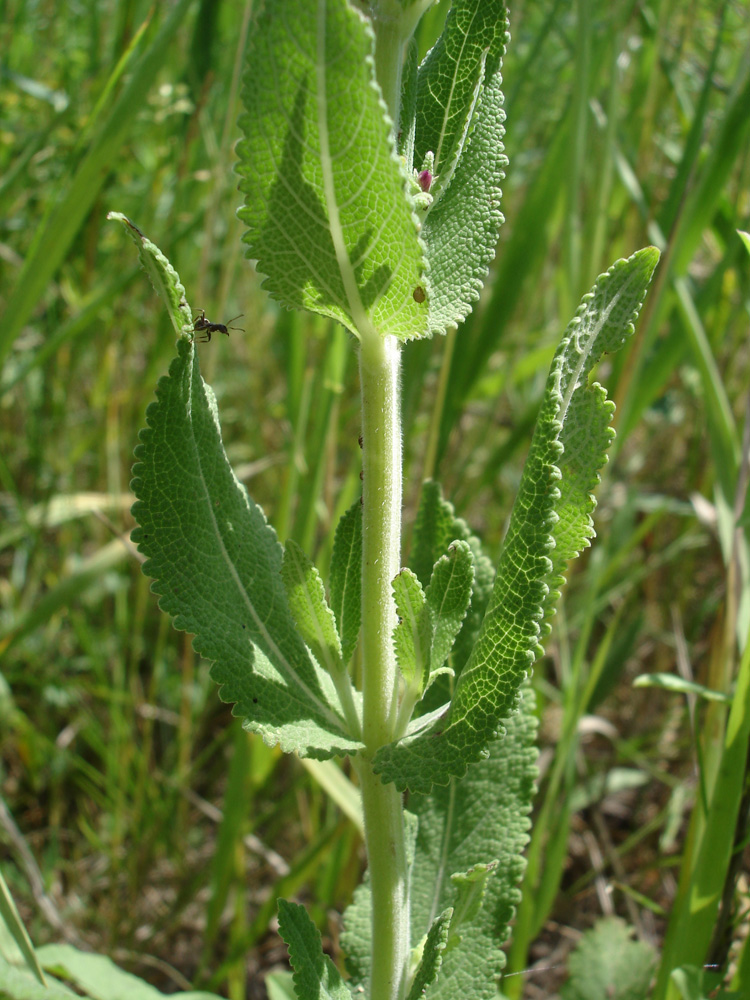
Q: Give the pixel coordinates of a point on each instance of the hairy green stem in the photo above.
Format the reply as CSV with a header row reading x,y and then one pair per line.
x,y
382,807
381,560
381,531
389,53
393,24
381,553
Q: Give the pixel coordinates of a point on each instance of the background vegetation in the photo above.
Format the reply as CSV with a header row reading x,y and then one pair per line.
x,y
136,816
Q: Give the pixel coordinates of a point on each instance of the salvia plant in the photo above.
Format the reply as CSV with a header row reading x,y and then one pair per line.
x,y
371,189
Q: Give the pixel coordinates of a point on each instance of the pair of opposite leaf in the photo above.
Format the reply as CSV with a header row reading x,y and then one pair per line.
x,y
429,620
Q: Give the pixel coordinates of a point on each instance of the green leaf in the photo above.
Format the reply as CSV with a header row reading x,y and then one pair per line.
x,y
325,206
280,986
432,955
688,980
607,963
356,934
435,528
408,111
671,682
346,578
468,825
100,978
162,275
307,602
448,596
18,985
460,119
471,887
338,787
315,975
550,523
691,982
413,634
451,79
17,928
217,568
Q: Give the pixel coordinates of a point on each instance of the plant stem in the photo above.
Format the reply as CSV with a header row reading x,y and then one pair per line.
x,y
379,359
381,553
381,530
393,26
382,807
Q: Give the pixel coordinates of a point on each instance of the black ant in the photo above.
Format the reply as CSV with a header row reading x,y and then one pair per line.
x,y
206,327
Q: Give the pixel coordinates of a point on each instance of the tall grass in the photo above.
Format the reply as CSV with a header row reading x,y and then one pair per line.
x,y
156,822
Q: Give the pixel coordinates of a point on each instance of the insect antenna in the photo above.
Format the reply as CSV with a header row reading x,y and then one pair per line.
x,y
235,327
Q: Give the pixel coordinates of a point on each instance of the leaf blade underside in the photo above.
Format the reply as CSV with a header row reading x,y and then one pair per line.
x,y
325,206
460,118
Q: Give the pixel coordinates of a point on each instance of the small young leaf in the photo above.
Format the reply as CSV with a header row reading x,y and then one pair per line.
x,y
448,596
346,578
471,886
325,206
608,963
484,579
413,634
217,568
451,77
315,975
307,602
435,528
550,523
163,276
432,955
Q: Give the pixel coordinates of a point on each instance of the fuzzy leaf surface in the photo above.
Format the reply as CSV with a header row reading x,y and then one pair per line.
x,y
436,527
432,956
448,596
162,275
356,934
216,565
412,635
307,601
546,513
465,828
460,118
608,963
325,207
315,975
471,887
346,578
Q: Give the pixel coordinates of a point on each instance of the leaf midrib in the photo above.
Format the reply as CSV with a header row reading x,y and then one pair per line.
x,y
362,323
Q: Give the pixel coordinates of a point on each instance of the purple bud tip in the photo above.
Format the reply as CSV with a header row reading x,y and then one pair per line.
x,y
425,179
